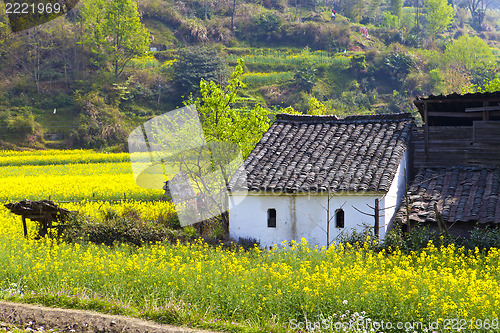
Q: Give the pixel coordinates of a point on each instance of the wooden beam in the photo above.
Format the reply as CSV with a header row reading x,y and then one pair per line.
x,y
484,108
456,100
453,114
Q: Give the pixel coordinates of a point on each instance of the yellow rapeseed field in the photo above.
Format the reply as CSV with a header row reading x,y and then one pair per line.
x,y
69,176
290,288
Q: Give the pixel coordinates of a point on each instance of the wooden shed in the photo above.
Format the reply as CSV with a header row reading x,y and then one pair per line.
x,y
456,159
458,130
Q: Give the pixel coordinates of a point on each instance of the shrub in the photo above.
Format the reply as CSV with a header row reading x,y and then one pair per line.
x,y
100,123
484,238
248,243
115,228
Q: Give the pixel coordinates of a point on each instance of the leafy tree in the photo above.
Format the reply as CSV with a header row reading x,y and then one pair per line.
x,y
436,80
473,53
440,15
391,21
99,123
399,65
353,9
113,32
268,26
396,7
316,108
305,76
487,86
221,122
374,9
197,63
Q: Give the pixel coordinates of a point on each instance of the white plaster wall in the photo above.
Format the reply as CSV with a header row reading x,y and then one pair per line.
x,y
297,216
394,196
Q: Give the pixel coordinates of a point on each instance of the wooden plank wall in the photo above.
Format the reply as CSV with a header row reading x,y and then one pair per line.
x,y
448,146
485,148
486,132
458,145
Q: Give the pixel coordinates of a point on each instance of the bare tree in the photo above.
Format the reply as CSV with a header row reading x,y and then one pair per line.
x,y
478,10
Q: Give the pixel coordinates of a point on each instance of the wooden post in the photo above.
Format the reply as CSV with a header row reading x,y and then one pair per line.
x,y
407,205
426,130
328,220
377,218
486,113
25,228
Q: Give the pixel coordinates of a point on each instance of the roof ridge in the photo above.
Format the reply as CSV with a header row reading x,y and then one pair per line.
x,y
287,118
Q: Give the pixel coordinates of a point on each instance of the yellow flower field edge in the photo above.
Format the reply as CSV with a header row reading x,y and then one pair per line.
x,y
53,157
69,175
198,285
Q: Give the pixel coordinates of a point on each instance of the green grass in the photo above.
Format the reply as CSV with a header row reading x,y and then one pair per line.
x,y
259,79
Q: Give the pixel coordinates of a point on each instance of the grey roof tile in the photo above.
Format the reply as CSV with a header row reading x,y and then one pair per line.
x,y
462,194
302,153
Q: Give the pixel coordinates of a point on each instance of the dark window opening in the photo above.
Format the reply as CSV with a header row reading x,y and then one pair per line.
x,y
271,218
339,218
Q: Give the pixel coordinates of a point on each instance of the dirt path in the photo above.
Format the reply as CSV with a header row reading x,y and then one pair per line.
x,y
65,320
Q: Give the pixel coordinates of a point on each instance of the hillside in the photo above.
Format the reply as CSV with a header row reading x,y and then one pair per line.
x,y
61,87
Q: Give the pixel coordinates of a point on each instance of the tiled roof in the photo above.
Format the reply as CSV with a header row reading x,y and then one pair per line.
x,y
455,96
463,194
323,153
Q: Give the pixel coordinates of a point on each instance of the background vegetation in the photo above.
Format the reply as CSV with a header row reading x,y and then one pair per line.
x,y
79,82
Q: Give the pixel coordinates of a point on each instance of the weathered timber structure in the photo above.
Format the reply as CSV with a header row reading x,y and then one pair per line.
x,y
45,212
459,130
456,159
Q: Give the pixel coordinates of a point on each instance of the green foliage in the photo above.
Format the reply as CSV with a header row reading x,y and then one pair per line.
x,y
391,21
419,236
358,64
472,52
487,86
197,63
113,32
275,57
436,80
396,7
353,9
305,76
316,108
190,231
99,123
144,62
114,228
19,123
399,102
268,25
399,65
221,122
440,15
259,79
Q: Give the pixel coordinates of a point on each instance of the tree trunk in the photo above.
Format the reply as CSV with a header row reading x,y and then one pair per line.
x,y
232,15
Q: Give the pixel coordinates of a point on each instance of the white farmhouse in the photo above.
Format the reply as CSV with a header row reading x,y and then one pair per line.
x,y
305,167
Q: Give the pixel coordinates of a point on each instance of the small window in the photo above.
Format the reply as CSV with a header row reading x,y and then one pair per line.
x,y
339,218
271,218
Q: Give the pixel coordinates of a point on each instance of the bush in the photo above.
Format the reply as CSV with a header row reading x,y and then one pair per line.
x,y
420,235
248,243
115,228
100,123
484,238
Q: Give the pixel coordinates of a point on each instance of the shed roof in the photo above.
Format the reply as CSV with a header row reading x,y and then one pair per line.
x,y
462,194
301,153
458,110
